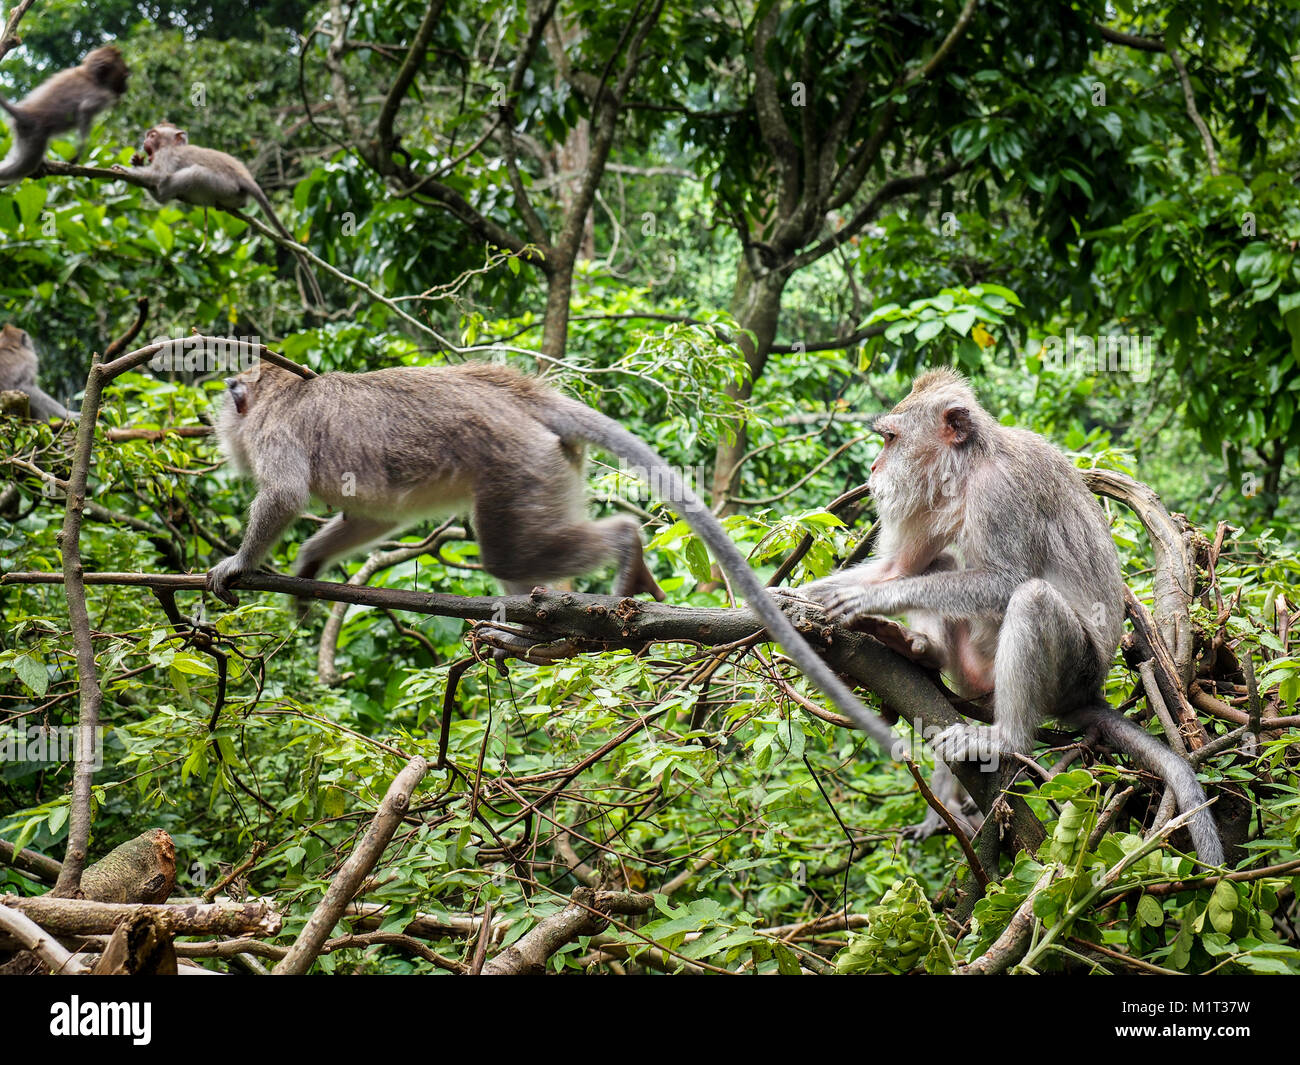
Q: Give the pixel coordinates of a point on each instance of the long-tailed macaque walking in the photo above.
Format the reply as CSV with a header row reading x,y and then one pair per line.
x,y
392,446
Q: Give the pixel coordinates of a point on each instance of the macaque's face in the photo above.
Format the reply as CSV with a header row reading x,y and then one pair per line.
x,y
13,337
888,427
921,441
163,136
241,389
108,68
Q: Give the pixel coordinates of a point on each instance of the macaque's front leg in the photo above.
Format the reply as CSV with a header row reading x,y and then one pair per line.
x,y
957,594
871,572
271,513
848,601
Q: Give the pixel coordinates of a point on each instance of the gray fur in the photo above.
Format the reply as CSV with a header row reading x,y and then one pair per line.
x,y
18,366
992,546
69,100
205,177
422,440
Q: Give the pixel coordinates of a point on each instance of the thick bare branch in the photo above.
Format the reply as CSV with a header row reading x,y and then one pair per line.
x,y
384,135
80,917
1175,570
585,915
343,888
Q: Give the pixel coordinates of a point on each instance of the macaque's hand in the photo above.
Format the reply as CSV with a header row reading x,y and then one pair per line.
x,y
845,603
220,576
824,590
815,592
790,596
842,598
137,159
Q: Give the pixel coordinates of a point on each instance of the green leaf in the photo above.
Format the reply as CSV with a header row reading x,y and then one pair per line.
x,y
786,961
32,672
1150,912
1254,264
960,321
697,560
163,234
30,197
928,330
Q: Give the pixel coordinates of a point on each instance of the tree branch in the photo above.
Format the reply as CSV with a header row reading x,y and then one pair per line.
x,y
74,590
384,135
79,917
9,40
343,888
1189,98
583,916
1130,40
771,118
890,190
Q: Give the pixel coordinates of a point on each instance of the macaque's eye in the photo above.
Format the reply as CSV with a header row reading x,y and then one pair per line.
x,y
888,436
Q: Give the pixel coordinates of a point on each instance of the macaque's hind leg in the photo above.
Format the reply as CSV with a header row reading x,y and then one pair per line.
x,y
633,574
1043,655
535,533
915,643
522,561
341,535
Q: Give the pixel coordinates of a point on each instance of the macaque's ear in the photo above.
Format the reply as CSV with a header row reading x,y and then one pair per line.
x,y
182,137
957,425
238,393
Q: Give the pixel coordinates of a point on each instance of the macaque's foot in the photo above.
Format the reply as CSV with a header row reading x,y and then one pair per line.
x,y
971,743
920,832
219,578
933,824
914,645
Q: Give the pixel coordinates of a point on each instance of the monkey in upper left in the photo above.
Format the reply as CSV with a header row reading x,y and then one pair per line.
x,y
70,99
18,366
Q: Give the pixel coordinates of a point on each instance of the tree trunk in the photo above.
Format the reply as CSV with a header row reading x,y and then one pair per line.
x,y
756,306
555,331
571,162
